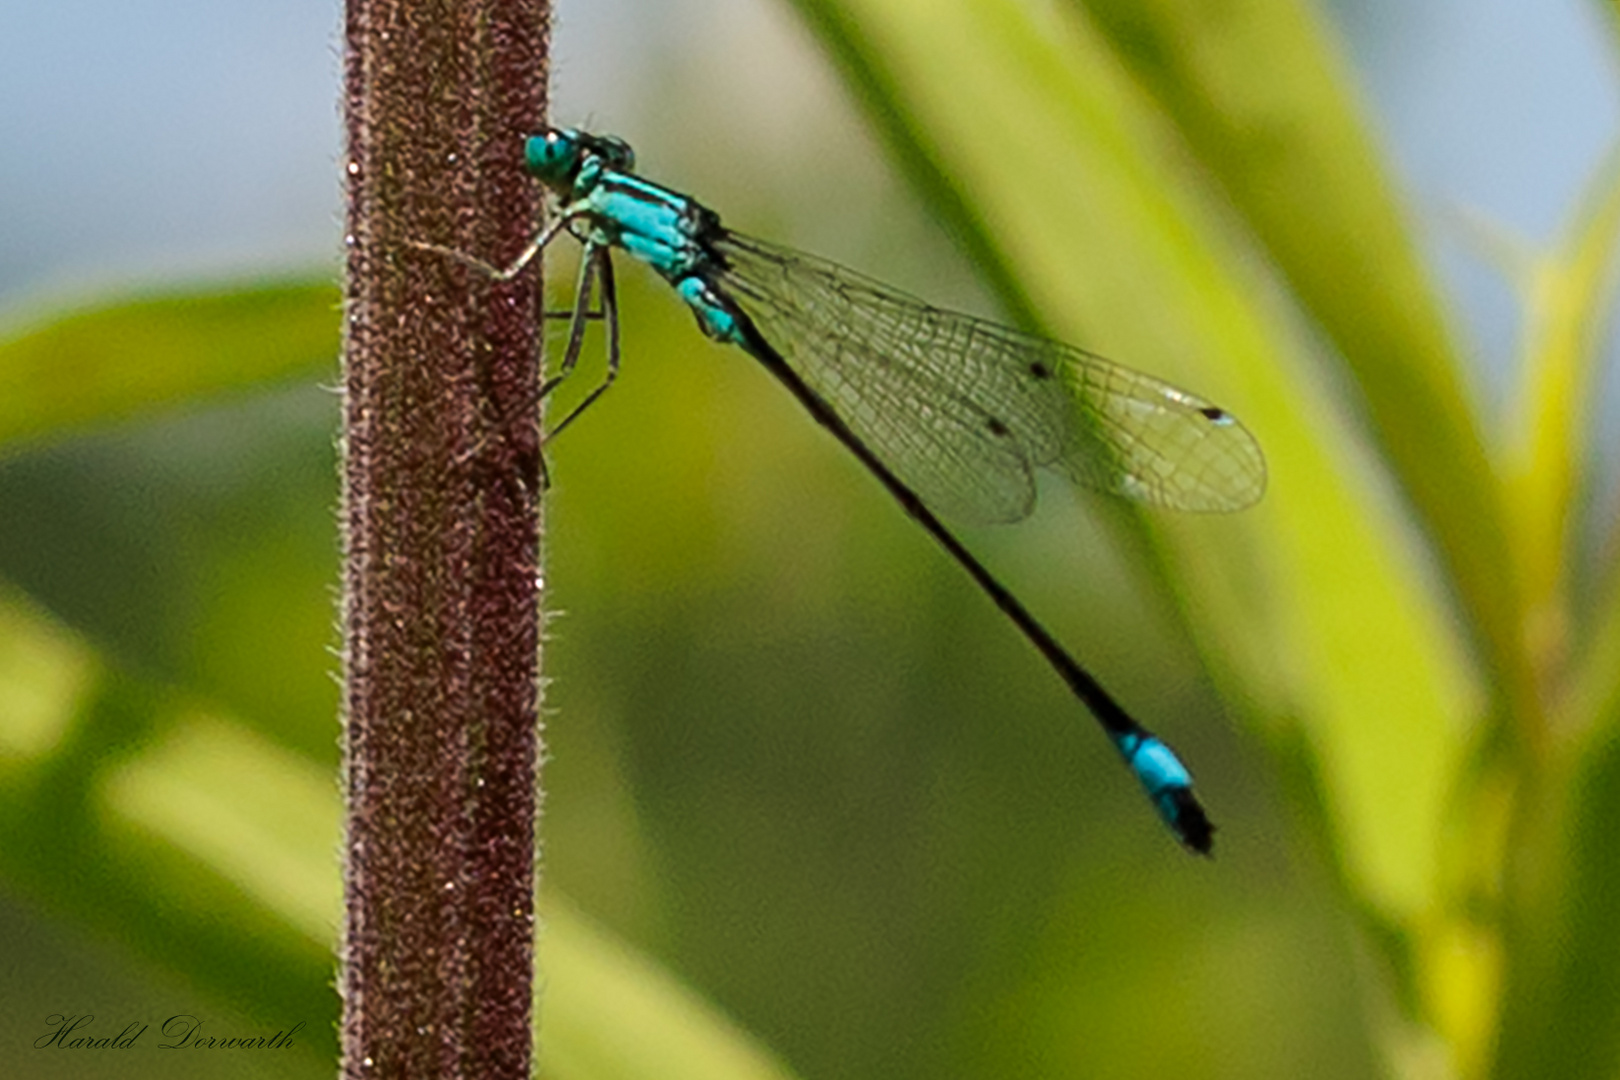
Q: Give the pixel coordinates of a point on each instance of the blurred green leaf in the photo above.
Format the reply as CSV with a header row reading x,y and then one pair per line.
x,y
250,811
74,853
1594,694
1293,154
1560,989
46,672
1561,1016
110,362
608,1012
1568,304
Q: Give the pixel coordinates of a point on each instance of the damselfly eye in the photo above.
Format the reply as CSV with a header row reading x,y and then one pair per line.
x,y
553,155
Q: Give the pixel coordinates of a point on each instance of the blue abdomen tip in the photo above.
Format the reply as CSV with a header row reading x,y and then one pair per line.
x,y
1154,763
1169,785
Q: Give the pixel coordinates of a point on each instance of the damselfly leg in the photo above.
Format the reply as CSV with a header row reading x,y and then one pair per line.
x,y
595,281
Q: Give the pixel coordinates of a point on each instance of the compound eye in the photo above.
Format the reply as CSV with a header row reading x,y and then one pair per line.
x,y
552,154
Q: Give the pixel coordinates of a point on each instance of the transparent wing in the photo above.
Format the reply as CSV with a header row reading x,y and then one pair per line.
x,y
963,409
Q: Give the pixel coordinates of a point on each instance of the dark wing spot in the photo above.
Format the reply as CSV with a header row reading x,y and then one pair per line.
x,y
997,428
1211,412
1040,370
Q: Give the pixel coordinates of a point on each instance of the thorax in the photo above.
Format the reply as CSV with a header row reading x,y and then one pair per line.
x,y
663,228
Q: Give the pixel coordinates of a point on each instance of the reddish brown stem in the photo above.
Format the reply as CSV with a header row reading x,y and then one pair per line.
x,y
441,642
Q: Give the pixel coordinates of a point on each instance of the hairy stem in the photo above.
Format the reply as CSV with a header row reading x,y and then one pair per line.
x,y
440,606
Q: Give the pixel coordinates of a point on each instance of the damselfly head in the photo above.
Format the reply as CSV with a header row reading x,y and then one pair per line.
x,y
554,156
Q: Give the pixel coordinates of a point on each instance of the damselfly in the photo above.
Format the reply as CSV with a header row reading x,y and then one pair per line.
x,y
952,414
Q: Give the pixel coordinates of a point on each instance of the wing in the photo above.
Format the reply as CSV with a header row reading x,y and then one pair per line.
x,y
963,409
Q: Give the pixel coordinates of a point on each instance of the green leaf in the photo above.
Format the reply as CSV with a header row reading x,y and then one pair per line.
x,y
110,362
1260,92
598,991
77,845
1561,953
1594,697
1561,1016
1568,299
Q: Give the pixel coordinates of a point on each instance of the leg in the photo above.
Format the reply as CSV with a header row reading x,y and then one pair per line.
x,y
591,262
507,273
596,266
603,261
572,313
580,315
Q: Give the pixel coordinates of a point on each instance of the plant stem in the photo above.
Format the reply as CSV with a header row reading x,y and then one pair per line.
x,y
441,501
